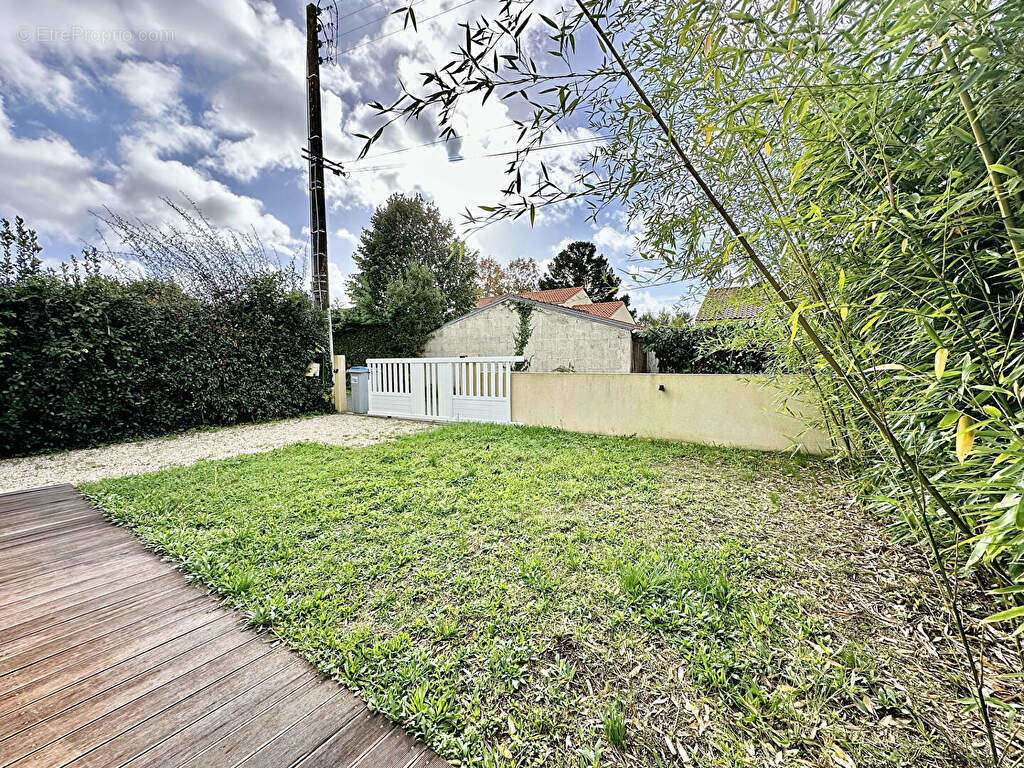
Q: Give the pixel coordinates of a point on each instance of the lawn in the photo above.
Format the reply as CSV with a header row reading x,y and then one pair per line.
x,y
533,597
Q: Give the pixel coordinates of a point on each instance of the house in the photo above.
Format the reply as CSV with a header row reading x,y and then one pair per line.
x,y
741,302
569,332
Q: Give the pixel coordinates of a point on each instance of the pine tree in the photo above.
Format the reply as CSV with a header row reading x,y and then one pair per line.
x,y
579,263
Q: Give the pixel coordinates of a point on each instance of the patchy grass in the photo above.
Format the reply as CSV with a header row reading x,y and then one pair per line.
x,y
533,597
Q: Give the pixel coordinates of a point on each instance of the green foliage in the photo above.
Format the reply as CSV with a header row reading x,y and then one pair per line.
x,y
494,589
358,340
404,231
719,348
414,307
91,360
664,317
518,276
615,725
579,264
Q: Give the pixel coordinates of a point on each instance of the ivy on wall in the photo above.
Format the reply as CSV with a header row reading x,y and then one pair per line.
x,y
521,338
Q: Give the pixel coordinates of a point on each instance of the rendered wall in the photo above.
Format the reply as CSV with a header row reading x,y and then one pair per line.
x,y
559,340
713,409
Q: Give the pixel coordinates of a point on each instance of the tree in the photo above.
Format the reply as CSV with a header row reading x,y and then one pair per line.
x,y
404,231
414,308
665,317
519,276
580,264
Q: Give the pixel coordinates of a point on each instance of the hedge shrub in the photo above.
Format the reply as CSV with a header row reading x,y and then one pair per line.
x,y
86,362
705,349
358,340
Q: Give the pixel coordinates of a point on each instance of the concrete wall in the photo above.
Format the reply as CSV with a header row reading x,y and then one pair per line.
x,y
559,339
713,409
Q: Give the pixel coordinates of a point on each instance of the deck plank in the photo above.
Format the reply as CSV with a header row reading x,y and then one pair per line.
x,y
222,720
50,616
110,657
96,665
350,743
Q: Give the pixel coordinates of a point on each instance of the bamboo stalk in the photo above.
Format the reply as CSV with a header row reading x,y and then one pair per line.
x,y
987,156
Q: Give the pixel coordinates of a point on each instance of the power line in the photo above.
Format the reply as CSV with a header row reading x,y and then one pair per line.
x,y
559,145
379,18
360,10
395,32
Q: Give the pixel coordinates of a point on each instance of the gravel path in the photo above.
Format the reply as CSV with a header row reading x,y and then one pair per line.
x,y
148,455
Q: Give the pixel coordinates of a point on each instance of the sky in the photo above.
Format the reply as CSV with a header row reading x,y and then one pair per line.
x,y
119,103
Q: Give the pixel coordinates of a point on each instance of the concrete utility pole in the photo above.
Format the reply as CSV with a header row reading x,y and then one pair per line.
x,y
317,204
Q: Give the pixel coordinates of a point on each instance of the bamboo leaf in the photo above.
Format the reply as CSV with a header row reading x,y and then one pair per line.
x,y
1010,613
964,438
941,356
949,419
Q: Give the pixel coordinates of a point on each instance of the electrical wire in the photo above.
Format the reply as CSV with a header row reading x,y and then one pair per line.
x,y
379,18
364,8
559,145
397,31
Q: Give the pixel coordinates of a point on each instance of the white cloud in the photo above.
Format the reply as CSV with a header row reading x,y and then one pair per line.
x,y
613,240
344,234
150,86
338,279
48,182
249,60
558,247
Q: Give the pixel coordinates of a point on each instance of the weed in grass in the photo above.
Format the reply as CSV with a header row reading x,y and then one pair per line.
x,y
238,584
590,757
445,629
615,725
261,616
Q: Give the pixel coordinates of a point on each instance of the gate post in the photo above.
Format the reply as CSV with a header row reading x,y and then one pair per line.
x,y
338,392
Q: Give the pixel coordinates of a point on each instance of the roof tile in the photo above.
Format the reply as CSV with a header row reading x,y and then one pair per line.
x,y
600,309
554,296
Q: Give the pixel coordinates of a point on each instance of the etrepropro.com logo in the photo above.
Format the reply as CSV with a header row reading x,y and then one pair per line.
x,y
75,33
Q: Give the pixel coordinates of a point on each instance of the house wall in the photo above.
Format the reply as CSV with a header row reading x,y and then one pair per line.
x,y
623,315
578,298
713,409
559,340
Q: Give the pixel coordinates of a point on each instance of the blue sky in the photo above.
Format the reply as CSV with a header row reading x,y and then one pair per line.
x,y
117,103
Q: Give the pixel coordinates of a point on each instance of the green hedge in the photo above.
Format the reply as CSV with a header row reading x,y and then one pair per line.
x,y
705,349
86,362
358,341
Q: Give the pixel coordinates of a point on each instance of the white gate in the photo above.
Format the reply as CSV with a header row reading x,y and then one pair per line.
x,y
442,388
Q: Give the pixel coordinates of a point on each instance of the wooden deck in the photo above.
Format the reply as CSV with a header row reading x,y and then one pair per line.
x,y
108,657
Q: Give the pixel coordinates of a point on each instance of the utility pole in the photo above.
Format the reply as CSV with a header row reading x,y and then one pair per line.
x,y
317,204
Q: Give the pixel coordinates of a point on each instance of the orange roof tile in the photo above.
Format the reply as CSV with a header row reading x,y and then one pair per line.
x,y
603,309
554,296
483,301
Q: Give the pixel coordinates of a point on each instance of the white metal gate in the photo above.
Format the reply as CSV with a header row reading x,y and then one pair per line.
x,y
442,388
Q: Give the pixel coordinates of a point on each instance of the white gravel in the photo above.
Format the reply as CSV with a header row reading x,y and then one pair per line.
x,y
148,455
